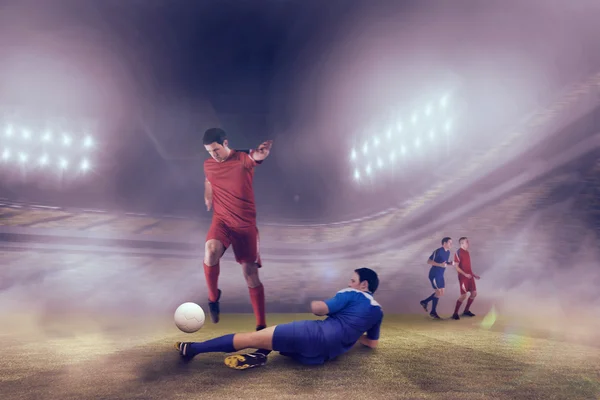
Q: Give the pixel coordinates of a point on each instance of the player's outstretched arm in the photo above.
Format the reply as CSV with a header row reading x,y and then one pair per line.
x,y
319,308
262,151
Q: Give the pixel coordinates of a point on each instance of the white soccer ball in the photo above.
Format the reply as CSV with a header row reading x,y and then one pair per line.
x,y
189,317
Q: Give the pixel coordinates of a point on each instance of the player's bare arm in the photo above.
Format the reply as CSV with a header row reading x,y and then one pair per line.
x,y
365,341
460,271
262,151
319,308
436,264
208,194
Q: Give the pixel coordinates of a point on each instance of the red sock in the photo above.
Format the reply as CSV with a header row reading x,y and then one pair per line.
x,y
469,302
212,278
458,304
257,298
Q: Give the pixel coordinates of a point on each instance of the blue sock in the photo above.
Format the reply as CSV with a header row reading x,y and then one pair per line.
x,y
435,301
427,300
223,344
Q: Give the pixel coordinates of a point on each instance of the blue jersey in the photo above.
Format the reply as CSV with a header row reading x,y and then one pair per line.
x,y
351,314
439,256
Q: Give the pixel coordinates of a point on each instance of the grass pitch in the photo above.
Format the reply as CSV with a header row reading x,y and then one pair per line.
x,y
417,358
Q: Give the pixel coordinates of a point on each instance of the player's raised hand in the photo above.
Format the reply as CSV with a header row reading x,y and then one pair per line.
x,y
263,150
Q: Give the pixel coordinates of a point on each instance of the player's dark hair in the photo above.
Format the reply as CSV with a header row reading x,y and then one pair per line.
x,y
367,274
461,239
213,135
446,240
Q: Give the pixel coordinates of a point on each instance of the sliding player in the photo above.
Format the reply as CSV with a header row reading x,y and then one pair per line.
x,y
351,313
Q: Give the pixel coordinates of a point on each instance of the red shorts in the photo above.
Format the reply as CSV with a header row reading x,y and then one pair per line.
x,y
245,241
466,285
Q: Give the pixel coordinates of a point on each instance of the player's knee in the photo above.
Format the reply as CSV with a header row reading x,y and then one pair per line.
x,y
462,297
473,294
251,274
212,252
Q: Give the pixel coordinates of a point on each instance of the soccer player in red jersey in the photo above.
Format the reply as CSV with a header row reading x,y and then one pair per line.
x,y
228,191
466,278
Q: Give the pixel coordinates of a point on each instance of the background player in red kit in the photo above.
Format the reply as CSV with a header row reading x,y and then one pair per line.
x,y
466,278
228,191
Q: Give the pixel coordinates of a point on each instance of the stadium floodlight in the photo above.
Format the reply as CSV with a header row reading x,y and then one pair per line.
x,y
32,147
67,140
63,163
43,160
444,101
405,136
88,142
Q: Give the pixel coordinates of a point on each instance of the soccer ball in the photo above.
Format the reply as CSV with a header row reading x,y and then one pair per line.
x,y
189,317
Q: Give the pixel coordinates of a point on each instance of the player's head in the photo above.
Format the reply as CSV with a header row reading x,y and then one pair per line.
x,y
365,280
215,142
447,243
464,242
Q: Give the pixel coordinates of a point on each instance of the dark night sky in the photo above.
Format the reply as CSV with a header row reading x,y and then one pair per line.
x,y
261,69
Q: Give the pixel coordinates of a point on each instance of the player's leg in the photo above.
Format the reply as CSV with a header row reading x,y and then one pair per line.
x,y
463,296
425,303
257,293
246,249
217,241
232,343
439,292
467,312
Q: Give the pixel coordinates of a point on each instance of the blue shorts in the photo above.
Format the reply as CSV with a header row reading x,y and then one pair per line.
x,y
436,277
301,340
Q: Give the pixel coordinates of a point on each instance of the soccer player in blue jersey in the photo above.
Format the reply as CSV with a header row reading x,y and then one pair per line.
x,y
438,260
353,315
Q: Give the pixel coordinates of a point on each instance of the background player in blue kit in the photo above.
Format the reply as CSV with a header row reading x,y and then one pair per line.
x,y
438,261
352,312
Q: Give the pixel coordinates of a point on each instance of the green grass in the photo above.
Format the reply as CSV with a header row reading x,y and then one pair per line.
x,y
77,358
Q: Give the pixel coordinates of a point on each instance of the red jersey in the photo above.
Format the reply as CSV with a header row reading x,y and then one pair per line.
x,y
233,194
463,258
